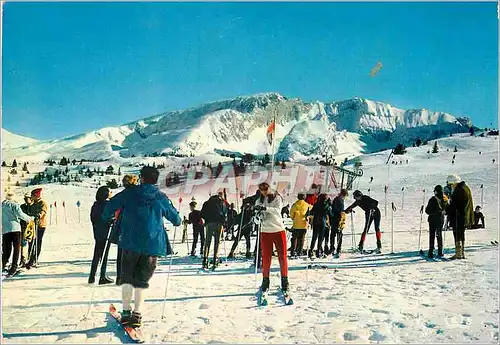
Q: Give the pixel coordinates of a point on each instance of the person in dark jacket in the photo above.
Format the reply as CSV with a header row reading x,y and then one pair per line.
x,y
128,181
320,212
142,238
214,212
245,226
436,209
461,206
101,230
335,218
196,221
478,218
231,221
372,214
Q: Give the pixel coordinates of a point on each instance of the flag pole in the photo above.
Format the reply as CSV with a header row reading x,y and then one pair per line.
x,y
274,143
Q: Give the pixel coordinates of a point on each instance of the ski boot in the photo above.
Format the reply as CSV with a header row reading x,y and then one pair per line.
x,y
105,280
248,255
231,255
135,320
126,315
90,281
204,263
430,254
284,284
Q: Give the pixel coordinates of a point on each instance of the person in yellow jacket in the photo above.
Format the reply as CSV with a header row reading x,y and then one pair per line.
x,y
299,214
39,211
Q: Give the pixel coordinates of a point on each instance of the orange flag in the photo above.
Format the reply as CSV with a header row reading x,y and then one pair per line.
x,y
270,132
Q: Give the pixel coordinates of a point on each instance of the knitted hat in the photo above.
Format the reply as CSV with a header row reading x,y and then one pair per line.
x,y
36,193
453,179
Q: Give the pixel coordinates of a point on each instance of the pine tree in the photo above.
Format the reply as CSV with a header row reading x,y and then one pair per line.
x,y
8,178
435,148
4,164
119,171
25,167
14,164
456,150
18,184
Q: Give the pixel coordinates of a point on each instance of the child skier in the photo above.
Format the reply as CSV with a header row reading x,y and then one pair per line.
x,y
337,220
195,219
436,209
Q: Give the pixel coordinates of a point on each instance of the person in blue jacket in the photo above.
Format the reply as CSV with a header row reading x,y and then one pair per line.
x,y
142,238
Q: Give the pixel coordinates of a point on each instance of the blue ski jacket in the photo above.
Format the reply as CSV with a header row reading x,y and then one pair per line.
x,y
142,211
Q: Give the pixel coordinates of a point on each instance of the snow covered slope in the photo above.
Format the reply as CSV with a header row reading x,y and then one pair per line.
x,y
387,298
11,140
240,125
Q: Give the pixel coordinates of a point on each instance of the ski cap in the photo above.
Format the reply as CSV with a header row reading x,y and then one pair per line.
x,y
357,194
454,178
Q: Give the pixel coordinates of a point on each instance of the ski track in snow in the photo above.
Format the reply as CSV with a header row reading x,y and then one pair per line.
x,y
387,298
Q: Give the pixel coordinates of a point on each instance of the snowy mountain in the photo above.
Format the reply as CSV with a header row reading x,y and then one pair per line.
x,y
239,125
11,140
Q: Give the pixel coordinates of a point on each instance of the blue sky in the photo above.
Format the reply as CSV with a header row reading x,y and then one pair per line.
x,y
73,67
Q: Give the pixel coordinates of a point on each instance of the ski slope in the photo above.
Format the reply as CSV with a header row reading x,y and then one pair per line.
x,y
388,298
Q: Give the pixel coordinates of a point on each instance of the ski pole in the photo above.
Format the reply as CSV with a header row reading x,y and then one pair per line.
x,y
403,198
385,201
392,228
241,225
420,231
258,250
445,227
353,238
50,214
168,276
482,194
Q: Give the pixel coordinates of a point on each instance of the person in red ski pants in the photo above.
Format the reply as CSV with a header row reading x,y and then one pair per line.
x,y
272,233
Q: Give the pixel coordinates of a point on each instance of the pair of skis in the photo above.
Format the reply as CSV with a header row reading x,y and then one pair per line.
x,y
135,334
262,300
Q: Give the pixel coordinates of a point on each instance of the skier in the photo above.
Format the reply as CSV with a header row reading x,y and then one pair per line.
x,y
128,181
372,214
142,238
436,209
11,232
195,219
272,232
244,231
39,210
337,217
460,212
231,221
319,212
478,217
214,213
299,213
100,228
25,240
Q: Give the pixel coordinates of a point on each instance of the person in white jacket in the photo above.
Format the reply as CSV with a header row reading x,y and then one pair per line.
x,y
272,232
11,232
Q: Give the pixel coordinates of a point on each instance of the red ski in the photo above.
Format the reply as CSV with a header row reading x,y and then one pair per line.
x,y
134,333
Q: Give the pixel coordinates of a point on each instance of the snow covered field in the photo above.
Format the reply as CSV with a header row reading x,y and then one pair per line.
x,y
388,298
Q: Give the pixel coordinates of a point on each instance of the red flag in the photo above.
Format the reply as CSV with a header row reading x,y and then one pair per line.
x,y
270,132
180,200
55,204
64,205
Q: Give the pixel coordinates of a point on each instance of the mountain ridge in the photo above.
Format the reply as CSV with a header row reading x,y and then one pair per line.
x,y
238,124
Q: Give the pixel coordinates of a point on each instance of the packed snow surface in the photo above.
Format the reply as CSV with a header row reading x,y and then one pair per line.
x,y
387,298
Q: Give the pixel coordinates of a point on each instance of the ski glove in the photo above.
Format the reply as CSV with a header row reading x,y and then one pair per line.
x,y
260,208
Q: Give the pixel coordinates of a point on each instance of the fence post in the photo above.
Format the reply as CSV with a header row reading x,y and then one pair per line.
x,y
392,227
482,195
385,201
403,198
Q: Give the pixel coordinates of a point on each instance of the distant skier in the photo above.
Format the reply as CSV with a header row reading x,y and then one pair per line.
x,y
478,219
143,238
214,213
100,228
299,213
436,209
196,221
231,217
460,212
272,233
11,232
320,212
337,218
372,214
245,230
